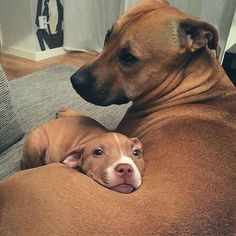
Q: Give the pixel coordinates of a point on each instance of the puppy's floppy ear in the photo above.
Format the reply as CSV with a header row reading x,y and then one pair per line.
x,y
158,1
195,34
73,158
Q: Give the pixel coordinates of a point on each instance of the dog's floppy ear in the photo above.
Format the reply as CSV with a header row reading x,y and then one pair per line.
x,y
195,34
157,1
73,158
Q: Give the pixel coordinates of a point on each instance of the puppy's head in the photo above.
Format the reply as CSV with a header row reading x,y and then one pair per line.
x,y
147,44
113,160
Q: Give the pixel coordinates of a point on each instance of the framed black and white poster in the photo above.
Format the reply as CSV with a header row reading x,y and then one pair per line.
x,y
49,22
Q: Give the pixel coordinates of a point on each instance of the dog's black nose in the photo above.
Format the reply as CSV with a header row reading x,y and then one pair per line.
x,y
75,81
82,79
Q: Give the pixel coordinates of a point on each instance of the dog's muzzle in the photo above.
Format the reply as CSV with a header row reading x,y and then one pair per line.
x,y
84,83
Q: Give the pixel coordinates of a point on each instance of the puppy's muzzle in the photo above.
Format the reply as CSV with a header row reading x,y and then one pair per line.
x,y
124,170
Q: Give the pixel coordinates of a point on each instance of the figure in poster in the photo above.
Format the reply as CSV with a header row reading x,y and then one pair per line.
x,y
52,34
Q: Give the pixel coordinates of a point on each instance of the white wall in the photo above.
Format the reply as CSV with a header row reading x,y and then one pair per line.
x,y
0,36
18,31
16,27
232,34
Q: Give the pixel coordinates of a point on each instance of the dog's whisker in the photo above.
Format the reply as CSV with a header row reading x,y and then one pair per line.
x,y
105,178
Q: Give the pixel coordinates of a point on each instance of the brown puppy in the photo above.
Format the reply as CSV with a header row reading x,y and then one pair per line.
x,y
184,112
111,159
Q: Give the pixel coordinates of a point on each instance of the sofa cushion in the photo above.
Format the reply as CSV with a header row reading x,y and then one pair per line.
x,y
10,128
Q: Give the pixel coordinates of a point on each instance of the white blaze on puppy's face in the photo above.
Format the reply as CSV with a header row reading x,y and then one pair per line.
x,y
114,161
134,181
136,176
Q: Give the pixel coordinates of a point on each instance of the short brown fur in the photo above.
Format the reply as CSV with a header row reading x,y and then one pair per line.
x,y
183,111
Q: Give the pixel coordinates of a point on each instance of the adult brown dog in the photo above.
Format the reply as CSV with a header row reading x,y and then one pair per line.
x,y
184,112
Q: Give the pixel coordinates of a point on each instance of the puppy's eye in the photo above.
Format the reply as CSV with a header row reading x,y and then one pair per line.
x,y
126,58
98,152
137,152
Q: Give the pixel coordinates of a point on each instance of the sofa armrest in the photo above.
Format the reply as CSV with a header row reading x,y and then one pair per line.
x,y
10,127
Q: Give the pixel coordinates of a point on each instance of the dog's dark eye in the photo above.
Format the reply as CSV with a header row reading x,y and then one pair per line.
x,y
137,152
98,152
126,58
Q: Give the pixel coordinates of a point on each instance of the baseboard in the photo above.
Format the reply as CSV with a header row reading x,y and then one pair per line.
x,y
35,56
18,52
49,53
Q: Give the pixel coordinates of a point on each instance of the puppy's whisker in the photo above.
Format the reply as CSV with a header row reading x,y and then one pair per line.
x,y
105,178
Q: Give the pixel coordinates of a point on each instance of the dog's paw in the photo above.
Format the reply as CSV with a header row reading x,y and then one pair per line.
x,y
62,112
67,112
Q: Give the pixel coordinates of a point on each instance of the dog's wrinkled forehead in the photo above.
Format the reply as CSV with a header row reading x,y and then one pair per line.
x,y
112,141
134,15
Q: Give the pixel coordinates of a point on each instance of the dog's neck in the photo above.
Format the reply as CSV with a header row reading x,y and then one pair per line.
x,y
187,85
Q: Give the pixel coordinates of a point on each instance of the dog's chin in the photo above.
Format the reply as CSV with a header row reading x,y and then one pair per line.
x,y
106,100
123,188
96,100
120,100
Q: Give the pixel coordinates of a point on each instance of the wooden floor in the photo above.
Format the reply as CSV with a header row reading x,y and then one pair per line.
x,y
16,67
